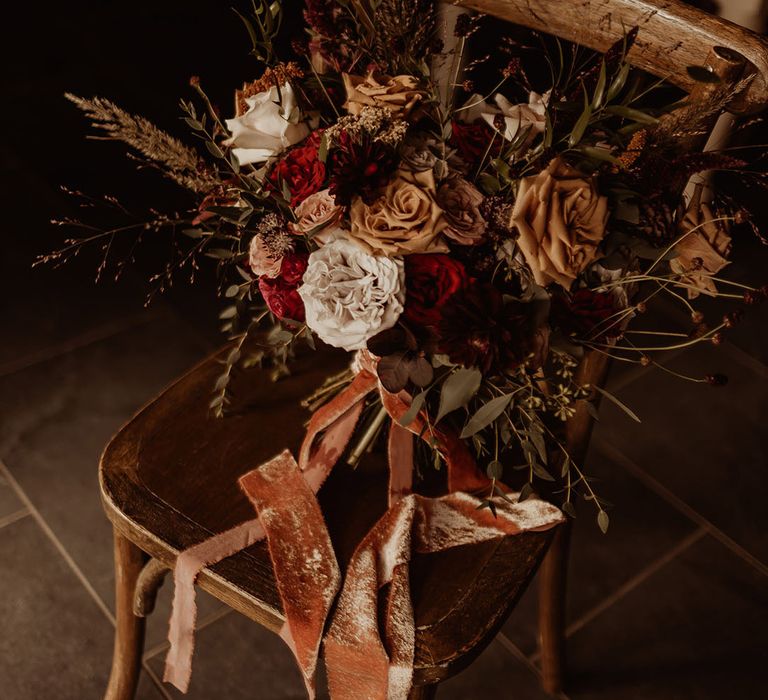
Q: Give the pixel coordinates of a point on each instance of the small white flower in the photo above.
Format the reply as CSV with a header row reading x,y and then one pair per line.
x,y
349,295
518,118
268,127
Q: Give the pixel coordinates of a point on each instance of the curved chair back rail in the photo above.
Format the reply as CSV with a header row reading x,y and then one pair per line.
x,y
672,36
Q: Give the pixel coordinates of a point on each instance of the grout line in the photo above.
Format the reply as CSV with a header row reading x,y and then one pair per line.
x,y
56,542
208,620
13,517
657,487
515,650
95,335
158,683
635,581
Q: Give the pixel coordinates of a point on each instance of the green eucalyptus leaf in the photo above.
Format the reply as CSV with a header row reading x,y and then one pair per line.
x,y
457,390
603,521
495,469
485,415
410,415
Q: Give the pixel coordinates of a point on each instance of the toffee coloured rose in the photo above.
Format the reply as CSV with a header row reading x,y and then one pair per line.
x,y
460,201
560,219
399,95
317,213
404,219
349,295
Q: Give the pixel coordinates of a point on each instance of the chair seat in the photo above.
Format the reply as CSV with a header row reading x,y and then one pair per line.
x,y
169,480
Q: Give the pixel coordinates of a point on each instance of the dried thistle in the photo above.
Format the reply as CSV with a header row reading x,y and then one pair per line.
x,y
176,160
404,34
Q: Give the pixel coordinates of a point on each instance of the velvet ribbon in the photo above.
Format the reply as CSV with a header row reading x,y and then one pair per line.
x,y
361,665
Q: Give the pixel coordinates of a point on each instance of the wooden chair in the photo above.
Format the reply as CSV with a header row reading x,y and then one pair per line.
x,y
169,477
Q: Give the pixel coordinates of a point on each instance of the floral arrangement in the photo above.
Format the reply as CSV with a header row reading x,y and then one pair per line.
x,y
469,246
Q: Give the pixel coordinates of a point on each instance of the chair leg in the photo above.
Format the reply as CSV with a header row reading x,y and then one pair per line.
x,y
552,593
423,692
129,629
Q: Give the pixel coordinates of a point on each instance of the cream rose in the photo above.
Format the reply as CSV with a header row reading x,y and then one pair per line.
x,y
398,95
349,295
516,118
317,213
702,250
270,125
560,218
404,219
261,261
460,201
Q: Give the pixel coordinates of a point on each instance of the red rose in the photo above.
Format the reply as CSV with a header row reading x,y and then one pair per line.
x,y
430,280
472,141
300,171
280,293
586,315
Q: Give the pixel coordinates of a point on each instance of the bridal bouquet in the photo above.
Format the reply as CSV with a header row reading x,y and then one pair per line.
x,y
470,243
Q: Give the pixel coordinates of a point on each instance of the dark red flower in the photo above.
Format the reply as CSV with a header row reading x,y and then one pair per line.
x,y
430,280
584,315
472,141
360,167
300,171
280,293
478,329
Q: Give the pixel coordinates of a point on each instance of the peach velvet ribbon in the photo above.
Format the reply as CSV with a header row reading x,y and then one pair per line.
x,y
360,664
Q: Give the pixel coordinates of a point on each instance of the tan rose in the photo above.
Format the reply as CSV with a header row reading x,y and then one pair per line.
x,y
398,95
560,219
702,250
316,213
460,201
404,219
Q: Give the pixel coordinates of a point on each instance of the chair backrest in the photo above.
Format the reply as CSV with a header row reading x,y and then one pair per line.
x,y
672,36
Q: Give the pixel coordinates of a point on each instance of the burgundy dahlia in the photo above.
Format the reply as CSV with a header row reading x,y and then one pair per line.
x,y
431,279
478,329
360,167
585,315
300,171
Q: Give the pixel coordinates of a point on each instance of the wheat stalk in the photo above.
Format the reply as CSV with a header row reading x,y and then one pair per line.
x,y
178,161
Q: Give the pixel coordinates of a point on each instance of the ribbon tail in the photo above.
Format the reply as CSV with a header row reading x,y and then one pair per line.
x,y
400,447
305,568
189,563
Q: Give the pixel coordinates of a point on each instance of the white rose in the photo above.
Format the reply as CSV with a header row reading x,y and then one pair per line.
x,y
268,127
349,295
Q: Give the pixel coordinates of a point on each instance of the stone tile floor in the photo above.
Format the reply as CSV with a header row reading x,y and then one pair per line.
x,y
672,603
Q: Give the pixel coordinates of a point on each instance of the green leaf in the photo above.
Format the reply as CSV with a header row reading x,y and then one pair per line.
x,y
229,312
568,509
232,291
603,521
193,124
525,492
489,183
495,469
219,253
633,114
409,416
566,466
542,473
703,74
214,150
608,395
580,127
599,94
537,438
618,82
193,232
458,389
485,415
